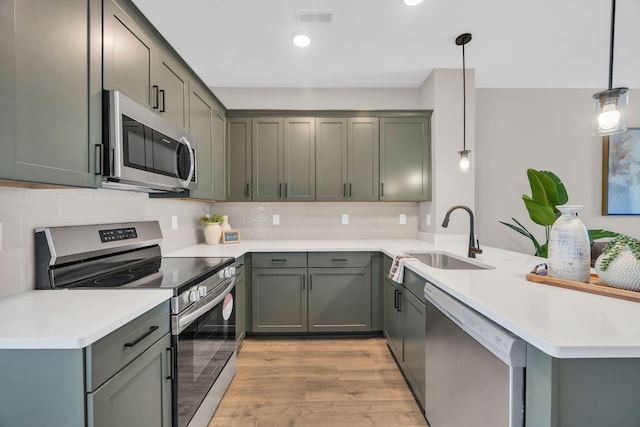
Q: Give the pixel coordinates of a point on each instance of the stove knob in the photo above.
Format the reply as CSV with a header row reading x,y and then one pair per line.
x,y
194,295
202,290
229,272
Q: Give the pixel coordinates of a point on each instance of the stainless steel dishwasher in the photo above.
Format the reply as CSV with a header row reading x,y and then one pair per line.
x,y
474,368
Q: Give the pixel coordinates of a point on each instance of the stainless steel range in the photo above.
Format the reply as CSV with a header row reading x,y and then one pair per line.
x,y
127,256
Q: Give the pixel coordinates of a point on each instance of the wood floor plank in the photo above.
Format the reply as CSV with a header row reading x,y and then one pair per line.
x,y
317,382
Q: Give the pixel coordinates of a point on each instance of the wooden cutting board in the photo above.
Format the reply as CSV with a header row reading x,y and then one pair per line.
x,y
594,286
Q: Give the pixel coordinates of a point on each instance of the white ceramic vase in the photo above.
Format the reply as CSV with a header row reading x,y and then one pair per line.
x,y
212,233
569,255
225,223
623,271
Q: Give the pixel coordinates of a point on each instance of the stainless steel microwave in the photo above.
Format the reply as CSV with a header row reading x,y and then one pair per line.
x,y
144,152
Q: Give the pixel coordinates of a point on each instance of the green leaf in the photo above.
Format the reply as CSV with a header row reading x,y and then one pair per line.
x,y
522,230
539,212
601,234
561,191
538,192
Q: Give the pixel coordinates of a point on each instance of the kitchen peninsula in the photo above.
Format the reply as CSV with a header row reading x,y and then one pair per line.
x,y
583,352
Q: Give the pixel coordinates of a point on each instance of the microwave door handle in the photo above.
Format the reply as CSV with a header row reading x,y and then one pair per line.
x,y
192,161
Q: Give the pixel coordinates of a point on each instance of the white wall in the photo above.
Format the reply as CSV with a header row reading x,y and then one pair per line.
x,y
322,220
23,210
442,92
318,99
548,129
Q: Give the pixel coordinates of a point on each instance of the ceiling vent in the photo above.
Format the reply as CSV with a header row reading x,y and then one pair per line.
x,y
315,16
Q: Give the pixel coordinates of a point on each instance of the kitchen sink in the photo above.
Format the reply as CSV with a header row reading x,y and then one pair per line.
x,y
447,261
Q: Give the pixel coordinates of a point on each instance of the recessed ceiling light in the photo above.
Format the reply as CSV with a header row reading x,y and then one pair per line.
x,y
301,39
412,2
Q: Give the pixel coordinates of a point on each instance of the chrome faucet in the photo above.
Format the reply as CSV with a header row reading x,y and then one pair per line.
x,y
474,245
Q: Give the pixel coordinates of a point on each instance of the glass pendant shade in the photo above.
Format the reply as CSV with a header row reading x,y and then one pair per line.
x,y
610,111
465,160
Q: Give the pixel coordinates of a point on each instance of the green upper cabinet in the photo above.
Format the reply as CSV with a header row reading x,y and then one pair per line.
x,y
238,165
201,113
139,63
363,152
299,164
283,159
206,126
405,159
129,54
347,159
172,83
267,146
50,91
219,163
331,159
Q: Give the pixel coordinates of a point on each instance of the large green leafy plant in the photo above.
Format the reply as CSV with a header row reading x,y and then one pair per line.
x,y
547,192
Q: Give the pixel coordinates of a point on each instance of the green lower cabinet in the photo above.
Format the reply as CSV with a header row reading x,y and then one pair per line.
x,y
405,327
109,383
320,292
279,302
581,392
139,395
339,299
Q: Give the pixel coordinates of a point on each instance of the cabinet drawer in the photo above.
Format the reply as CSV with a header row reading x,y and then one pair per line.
x,y
279,259
414,283
111,353
340,259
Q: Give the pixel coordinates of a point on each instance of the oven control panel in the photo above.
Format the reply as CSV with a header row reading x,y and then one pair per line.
x,y
116,234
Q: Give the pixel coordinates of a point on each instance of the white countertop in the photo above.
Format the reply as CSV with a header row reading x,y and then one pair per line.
x,y
71,319
561,322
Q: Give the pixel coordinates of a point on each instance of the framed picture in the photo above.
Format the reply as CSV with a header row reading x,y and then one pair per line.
x,y
621,173
231,236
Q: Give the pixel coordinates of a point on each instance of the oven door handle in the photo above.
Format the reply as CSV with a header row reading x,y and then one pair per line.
x,y
184,320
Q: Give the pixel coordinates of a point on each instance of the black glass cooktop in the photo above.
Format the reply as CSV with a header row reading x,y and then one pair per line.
x,y
165,273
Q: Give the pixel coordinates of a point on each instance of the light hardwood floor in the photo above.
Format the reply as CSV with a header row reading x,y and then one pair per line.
x,y
317,382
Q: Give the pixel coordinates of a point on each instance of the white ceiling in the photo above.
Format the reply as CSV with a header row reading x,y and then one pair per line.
x,y
383,43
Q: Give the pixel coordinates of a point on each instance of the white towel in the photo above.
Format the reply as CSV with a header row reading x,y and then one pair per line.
x,y
396,272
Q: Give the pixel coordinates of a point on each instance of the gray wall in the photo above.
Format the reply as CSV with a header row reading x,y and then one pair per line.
x,y
548,129
23,210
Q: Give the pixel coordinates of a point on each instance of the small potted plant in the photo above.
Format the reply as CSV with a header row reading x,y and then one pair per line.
x,y
619,263
212,228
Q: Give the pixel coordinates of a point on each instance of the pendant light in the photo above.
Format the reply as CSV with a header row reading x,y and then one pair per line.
x,y
465,155
610,106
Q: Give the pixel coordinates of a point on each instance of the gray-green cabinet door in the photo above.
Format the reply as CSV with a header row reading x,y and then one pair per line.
x,y
139,395
339,299
405,159
201,116
279,302
299,166
363,152
219,163
414,333
129,53
238,160
267,146
172,80
393,318
331,159
50,79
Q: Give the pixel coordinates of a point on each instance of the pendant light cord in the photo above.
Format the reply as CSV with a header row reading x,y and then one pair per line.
x,y
464,103
613,26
